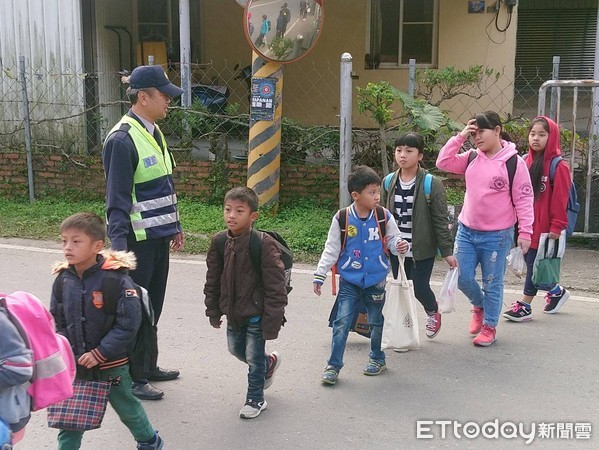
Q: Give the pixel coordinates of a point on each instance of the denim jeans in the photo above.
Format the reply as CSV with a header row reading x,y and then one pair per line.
x,y
247,345
489,249
349,298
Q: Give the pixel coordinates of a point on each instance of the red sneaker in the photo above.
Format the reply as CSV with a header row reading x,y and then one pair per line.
x,y
486,336
273,365
433,324
477,320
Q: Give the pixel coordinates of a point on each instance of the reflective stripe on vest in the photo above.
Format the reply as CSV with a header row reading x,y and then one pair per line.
x,y
153,164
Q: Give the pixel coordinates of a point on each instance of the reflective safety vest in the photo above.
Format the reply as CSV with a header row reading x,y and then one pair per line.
x,y
154,212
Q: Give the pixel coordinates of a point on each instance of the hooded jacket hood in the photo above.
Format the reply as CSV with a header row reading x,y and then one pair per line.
x,y
552,149
113,260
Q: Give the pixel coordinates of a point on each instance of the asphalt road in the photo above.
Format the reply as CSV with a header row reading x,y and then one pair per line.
x,y
541,376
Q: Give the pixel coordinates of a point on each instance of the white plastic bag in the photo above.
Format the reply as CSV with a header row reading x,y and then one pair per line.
x,y
516,262
400,329
449,292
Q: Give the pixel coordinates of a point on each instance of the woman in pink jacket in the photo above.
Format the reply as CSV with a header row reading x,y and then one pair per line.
x,y
492,205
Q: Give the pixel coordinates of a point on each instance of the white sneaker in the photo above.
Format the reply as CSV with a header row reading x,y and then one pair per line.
x,y
252,409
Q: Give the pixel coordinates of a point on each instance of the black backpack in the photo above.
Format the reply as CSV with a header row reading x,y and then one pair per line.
x,y
139,357
256,252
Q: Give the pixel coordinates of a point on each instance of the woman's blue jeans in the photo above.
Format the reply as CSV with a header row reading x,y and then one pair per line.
x,y
489,249
247,345
349,298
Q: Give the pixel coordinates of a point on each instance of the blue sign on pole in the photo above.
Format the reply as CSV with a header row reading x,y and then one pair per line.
x,y
263,98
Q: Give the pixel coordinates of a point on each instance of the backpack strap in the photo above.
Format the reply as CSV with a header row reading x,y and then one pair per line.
x,y
342,219
511,164
553,167
471,156
110,291
381,222
428,181
220,244
387,181
256,250
110,294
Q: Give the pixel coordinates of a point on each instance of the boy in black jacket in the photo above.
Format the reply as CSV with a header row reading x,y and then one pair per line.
x,y
254,303
77,307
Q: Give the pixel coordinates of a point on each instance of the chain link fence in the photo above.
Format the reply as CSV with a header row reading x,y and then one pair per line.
x,y
48,111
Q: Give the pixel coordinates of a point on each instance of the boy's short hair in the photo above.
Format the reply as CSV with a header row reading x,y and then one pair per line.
x,y
361,177
89,223
243,194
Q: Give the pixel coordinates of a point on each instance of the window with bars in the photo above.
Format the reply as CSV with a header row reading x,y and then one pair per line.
x,y
400,30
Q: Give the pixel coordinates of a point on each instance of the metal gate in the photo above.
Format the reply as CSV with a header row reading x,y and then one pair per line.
x,y
583,153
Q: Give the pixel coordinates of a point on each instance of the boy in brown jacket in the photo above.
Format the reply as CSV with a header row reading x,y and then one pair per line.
x,y
253,299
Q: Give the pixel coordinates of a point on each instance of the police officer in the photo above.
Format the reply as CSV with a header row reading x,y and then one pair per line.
x,y
141,203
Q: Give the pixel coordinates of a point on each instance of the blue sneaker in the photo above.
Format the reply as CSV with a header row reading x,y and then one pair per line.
x,y
374,368
330,375
156,445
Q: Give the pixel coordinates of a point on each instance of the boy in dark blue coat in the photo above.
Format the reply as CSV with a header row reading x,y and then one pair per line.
x,y
77,306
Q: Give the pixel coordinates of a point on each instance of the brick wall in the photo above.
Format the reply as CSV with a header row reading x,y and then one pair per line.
x,y
83,176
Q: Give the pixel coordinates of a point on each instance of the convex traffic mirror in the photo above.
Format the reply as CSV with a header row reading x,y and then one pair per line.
x,y
285,30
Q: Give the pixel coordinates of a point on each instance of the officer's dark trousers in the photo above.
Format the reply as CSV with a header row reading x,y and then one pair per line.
x,y
152,273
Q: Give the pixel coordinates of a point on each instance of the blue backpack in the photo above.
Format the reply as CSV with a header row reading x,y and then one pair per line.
x,y
428,180
573,206
5,438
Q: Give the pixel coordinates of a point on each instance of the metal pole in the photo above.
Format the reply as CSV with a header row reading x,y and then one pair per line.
x,y
27,125
555,91
185,39
345,136
412,81
594,137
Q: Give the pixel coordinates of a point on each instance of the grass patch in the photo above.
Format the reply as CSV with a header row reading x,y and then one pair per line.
x,y
304,226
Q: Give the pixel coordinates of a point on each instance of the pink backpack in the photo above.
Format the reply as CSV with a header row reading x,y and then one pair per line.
x,y
54,363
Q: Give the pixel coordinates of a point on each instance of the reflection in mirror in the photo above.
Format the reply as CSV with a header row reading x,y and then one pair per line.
x,y
284,30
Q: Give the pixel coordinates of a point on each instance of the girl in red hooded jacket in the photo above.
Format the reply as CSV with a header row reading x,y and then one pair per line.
x,y
551,198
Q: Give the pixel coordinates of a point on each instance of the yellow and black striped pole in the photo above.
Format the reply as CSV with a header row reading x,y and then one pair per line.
x,y
264,156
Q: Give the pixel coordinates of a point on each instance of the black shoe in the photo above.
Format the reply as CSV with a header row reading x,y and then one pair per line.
x,y
519,312
146,391
163,375
555,302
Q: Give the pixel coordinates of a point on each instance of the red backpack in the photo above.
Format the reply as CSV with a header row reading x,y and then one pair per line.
x,y
54,363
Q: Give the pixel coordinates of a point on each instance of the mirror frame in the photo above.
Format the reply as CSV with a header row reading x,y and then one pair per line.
x,y
250,41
